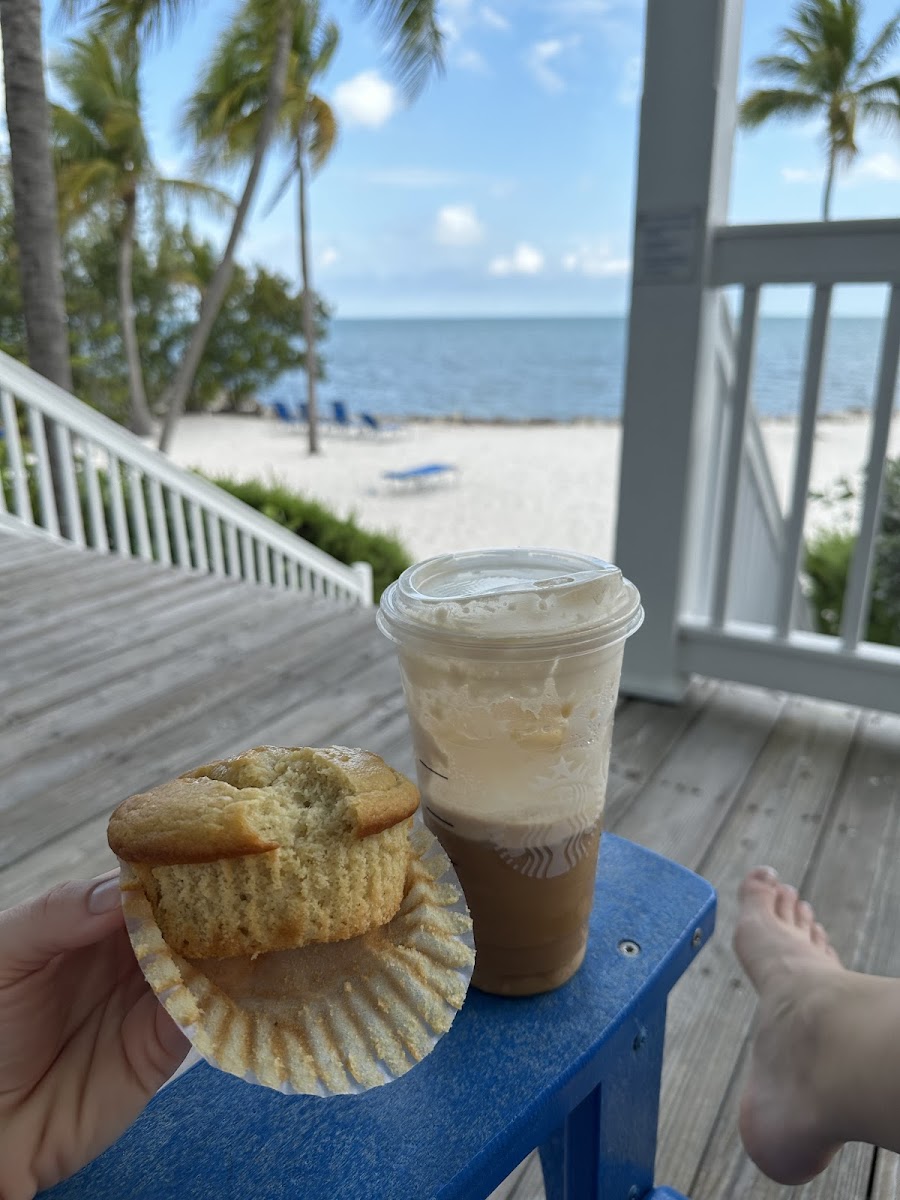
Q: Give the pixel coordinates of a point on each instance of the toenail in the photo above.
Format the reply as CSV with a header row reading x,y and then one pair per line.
x,y
766,873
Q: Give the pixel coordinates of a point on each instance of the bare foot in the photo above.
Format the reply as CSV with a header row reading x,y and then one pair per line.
x,y
792,965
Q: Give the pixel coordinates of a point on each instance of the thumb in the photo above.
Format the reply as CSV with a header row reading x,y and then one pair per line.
x,y
69,916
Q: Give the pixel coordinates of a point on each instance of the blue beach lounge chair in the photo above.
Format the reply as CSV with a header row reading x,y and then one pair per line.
x,y
285,413
373,424
416,477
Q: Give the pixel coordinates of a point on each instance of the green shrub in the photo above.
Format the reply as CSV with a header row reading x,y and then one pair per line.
x,y
828,560
342,539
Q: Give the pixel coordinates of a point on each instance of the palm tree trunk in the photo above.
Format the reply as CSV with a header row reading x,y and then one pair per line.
x,y
177,393
829,185
35,208
309,303
140,420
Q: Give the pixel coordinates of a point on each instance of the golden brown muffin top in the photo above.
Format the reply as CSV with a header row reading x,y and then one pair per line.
x,y
260,800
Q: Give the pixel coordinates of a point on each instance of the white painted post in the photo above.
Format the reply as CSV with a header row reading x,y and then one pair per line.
x,y
688,118
16,459
363,573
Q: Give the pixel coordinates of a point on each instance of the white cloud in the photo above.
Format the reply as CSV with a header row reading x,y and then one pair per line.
x,y
413,177
328,257
581,8
471,60
630,82
451,30
524,260
453,16
493,19
541,55
366,99
597,262
458,225
802,174
884,166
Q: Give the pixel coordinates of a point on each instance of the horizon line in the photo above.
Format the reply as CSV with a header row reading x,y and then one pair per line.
x,y
608,316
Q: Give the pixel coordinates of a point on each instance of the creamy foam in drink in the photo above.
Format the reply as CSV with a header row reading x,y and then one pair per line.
x,y
510,662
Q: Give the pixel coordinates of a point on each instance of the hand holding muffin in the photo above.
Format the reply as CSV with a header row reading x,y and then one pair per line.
x,y
84,1043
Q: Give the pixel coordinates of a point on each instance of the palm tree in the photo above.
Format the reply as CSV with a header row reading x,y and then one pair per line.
x,y
103,160
35,207
825,69
225,113
414,42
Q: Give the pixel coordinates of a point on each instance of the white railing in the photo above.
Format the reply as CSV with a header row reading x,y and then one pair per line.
x,y
752,508
80,477
779,651
700,528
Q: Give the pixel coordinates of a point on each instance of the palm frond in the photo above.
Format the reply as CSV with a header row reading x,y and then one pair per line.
x,y
413,39
153,19
326,47
74,139
883,43
85,184
322,129
887,89
879,102
764,103
190,191
782,66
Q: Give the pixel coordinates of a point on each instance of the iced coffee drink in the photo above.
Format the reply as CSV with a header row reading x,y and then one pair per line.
x,y
510,662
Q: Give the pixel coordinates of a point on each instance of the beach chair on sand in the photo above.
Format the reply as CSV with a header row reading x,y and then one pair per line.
x,y
373,424
285,413
341,418
418,477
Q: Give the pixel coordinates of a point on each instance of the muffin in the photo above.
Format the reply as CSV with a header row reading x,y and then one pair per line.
x,y
273,849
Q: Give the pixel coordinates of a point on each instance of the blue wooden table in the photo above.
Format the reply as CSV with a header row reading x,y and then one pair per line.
x,y
575,1072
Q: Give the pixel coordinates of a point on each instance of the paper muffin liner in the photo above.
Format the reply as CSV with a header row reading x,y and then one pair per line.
x,y
326,1019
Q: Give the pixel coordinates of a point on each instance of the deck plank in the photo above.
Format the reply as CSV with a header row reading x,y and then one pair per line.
x,y
59,711
781,808
643,734
162,636
14,549
886,1180
679,811
58,645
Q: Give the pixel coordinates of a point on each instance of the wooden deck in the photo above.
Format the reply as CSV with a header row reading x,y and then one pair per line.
x,y
116,675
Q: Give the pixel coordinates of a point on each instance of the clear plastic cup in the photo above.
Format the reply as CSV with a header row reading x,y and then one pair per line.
x,y
510,662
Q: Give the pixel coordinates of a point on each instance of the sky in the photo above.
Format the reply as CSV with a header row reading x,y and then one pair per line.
x,y
507,188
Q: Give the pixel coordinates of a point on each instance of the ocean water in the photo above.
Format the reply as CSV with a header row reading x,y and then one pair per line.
x,y
524,369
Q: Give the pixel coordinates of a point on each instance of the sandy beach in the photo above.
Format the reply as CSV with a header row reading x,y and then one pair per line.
x,y
515,484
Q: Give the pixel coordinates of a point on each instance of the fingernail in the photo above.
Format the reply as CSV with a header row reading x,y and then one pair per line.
x,y
104,896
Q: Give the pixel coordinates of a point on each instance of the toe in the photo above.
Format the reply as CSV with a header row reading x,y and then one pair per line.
x,y
819,936
786,902
804,916
759,886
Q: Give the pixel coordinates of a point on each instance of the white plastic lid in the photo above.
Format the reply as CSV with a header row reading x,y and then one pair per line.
x,y
518,601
